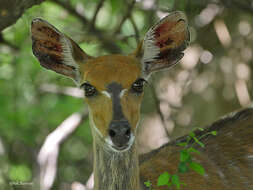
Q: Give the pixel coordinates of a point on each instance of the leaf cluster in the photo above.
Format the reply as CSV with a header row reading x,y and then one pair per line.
x,y
186,162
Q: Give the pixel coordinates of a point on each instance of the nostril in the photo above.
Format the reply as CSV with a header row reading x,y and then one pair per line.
x,y
128,132
112,133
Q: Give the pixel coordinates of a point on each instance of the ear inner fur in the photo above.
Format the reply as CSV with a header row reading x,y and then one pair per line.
x,y
55,51
163,44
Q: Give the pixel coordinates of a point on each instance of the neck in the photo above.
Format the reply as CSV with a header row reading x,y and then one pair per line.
x,y
115,170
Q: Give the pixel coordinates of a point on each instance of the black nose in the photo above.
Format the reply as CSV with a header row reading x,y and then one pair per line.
x,y
120,133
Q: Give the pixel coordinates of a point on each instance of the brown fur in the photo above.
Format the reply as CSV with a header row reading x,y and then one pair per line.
x,y
48,48
104,70
227,157
112,170
131,104
171,36
124,70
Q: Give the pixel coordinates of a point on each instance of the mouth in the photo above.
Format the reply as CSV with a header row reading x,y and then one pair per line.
x,y
121,148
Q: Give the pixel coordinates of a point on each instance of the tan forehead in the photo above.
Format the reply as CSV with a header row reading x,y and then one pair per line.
x,y
104,70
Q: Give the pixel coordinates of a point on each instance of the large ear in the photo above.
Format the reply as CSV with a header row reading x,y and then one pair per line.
x,y
56,51
163,44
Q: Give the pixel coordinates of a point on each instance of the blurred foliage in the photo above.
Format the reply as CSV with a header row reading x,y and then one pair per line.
x,y
213,78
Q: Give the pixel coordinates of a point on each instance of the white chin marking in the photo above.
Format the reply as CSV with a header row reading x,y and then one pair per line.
x,y
111,145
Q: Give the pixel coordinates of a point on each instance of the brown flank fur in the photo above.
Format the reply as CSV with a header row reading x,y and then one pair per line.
x,y
227,157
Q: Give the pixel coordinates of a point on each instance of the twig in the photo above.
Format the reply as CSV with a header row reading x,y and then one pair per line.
x,y
47,157
106,41
93,20
71,10
126,16
137,35
157,106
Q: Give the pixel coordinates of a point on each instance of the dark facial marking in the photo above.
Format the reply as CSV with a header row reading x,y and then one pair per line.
x,y
119,128
114,89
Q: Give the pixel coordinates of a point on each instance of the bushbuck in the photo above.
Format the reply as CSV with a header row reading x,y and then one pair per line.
x,y
113,87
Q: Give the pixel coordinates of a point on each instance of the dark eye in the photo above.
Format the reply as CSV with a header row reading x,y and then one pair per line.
x,y
138,85
89,90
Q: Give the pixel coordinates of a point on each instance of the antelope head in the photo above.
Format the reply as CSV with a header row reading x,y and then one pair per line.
x,y
113,84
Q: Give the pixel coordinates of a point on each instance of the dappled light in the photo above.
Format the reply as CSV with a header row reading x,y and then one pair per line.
x,y
44,126
242,92
207,15
222,32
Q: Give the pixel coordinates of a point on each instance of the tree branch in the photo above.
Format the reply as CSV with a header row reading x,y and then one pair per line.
x,y
137,35
12,10
93,20
105,39
157,106
126,16
71,10
47,157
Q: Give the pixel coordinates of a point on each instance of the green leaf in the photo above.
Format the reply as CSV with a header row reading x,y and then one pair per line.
x,y
197,168
20,173
169,184
182,167
214,133
184,156
182,183
191,149
163,179
192,134
182,144
147,183
175,180
199,142
201,129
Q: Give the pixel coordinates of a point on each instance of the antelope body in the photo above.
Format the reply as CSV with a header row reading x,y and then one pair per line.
x,y
113,86
227,157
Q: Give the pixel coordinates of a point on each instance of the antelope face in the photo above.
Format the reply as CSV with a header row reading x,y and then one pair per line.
x,y
113,90
113,84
